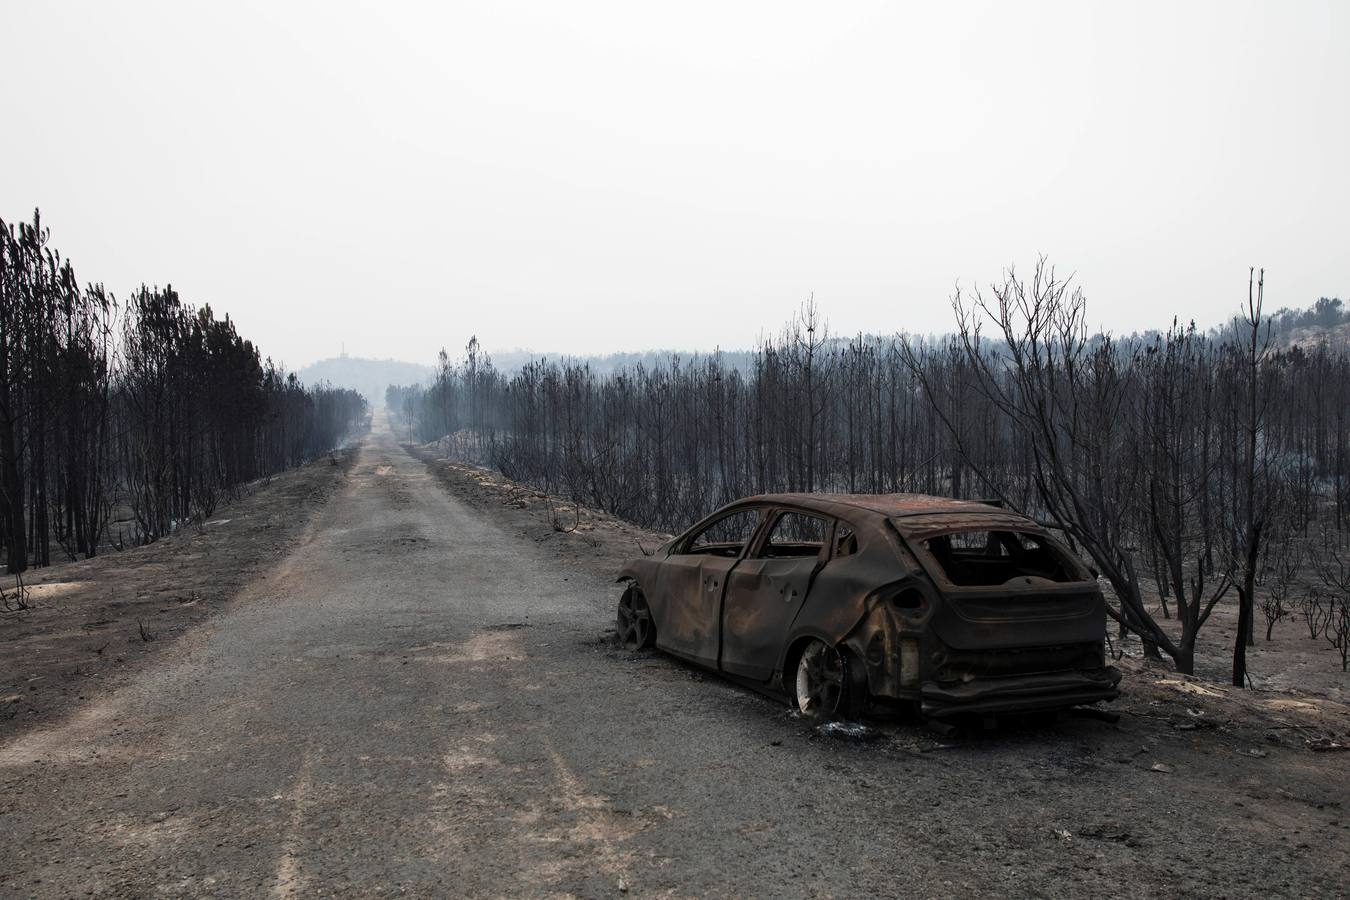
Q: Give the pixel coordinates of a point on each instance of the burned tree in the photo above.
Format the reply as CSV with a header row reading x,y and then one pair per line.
x,y
1063,395
1282,570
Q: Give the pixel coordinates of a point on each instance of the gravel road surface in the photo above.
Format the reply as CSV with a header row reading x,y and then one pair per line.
x,y
417,700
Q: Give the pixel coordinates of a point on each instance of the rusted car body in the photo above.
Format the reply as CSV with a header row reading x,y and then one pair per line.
x,y
839,601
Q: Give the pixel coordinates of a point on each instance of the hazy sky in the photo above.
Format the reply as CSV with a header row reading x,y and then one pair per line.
x,y
600,177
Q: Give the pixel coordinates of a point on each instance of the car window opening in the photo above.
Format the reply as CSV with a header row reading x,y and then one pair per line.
x,y
989,558
727,536
845,541
795,535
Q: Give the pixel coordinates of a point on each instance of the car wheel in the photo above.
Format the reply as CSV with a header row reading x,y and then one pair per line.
x,y
825,686
634,621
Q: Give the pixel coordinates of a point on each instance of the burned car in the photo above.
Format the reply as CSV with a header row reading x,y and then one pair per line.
x,y
841,601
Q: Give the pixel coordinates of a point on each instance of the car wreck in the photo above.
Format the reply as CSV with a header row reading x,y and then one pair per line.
x,y
845,602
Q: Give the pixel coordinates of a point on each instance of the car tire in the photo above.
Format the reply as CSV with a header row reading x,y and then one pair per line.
x,y
825,686
634,622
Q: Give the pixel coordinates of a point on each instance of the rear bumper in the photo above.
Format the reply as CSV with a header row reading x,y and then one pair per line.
x,y
1024,693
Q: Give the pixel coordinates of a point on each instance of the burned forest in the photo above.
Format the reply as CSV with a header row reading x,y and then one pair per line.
x,y
122,420
1191,468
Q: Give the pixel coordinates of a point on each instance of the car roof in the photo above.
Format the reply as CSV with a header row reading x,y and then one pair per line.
x,y
890,505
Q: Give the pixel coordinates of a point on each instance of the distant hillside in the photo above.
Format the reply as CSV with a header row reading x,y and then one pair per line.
x,y
369,376
1310,336
1327,321
510,361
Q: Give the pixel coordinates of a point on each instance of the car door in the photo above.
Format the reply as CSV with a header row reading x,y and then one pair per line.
x,y
692,579
767,589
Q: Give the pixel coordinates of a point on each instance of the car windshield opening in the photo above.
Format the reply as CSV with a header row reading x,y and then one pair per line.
x,y
981,558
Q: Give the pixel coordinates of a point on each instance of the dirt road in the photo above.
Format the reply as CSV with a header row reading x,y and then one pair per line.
x,y
418,700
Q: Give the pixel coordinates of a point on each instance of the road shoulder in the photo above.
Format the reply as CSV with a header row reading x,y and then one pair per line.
x,y
93,624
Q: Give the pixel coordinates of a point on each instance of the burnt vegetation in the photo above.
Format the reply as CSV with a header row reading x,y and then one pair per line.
x,y
1190,468
120,421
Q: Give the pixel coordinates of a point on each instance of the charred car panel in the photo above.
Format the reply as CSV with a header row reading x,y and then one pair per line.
x,y
835,600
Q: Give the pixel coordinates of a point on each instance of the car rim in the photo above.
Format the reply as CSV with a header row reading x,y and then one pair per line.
x,y
635,620
820,681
